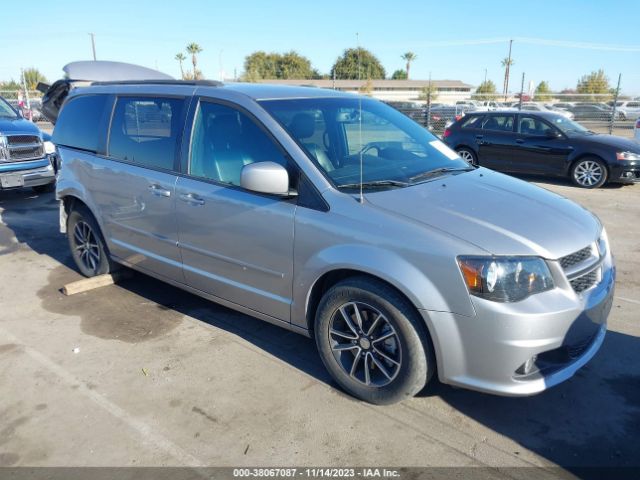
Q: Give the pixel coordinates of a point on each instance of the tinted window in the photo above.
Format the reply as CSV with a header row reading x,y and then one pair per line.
x,y
224,140
500,123
391,148
472,122
79,123
533,126
145,131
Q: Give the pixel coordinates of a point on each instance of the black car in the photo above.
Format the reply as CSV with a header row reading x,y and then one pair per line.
x,y
544,143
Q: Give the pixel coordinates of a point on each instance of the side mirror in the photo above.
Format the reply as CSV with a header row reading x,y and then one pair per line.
x,y
265,177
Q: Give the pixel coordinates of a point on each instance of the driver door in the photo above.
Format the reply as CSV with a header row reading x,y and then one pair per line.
x,y
539,147
235,244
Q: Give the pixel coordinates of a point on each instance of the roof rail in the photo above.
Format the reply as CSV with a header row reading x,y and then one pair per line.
x,y
203,83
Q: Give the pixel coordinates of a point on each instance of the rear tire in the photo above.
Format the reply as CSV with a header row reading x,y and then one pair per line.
x,y
468,155
86,243
373,342
589,172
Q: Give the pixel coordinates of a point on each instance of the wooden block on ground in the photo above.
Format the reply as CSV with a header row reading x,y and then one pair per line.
x,y
91,283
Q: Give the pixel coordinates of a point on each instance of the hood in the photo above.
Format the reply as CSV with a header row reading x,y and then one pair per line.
x,y
16,126
618,143
497,213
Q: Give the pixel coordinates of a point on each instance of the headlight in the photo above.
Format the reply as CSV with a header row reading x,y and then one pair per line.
x,y
49,147
505,279
627,156
4,148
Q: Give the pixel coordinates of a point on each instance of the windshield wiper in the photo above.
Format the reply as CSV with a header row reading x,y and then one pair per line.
x,y
437,172
375,183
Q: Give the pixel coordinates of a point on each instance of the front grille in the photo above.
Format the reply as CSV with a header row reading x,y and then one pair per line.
x,y
22,139
23,148
585,281
576,258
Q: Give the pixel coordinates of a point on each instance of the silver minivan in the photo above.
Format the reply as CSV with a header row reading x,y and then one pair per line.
x,y
335,216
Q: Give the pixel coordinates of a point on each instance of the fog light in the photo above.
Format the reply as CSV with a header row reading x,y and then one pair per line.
x,y
527,367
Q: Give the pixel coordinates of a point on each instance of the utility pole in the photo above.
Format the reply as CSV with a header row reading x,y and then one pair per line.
x,y
429,104
26,93
485,76
521,92
506,73
615,103
93,45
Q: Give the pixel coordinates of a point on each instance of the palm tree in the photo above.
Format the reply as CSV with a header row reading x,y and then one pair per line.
x,y
193,49
506,62
409,57
181,58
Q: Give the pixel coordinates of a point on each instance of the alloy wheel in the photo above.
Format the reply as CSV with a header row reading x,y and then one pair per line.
x,y
467,156
86,246
365,344
588,173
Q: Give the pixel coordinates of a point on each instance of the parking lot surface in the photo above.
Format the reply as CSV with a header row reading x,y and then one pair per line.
x,y
142,373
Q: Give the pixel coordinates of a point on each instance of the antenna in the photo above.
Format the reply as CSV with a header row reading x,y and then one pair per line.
x,y
361,199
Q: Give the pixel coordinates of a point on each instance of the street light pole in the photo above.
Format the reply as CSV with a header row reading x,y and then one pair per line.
x,y
93,45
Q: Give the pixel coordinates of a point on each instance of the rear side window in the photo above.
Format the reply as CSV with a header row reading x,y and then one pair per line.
x,y
472,122
500,123
144,131
79,124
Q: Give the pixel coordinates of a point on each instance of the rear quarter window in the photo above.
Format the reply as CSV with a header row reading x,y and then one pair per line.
x,y
80,123
472,122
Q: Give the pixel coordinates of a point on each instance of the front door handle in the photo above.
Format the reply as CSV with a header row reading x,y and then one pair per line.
x,y
519,140
157,190
192,199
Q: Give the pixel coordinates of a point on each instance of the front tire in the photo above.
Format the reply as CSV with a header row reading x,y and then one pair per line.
x,y
86,244
468,155
589,172
372,341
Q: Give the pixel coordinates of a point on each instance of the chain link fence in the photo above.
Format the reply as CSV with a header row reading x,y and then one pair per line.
x,y
597,112
18,100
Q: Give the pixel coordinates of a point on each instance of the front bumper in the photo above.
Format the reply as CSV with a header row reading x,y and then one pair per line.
x,y
557,331
27,174
625,172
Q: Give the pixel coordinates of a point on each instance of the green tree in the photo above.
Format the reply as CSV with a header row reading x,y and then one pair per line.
x,y
10,85
595,83
346,66
290,65
181,58
194,49
429,93
32,77
399,75
486,91
409,57
542,92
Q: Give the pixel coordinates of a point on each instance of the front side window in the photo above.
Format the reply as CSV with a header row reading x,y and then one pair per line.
x,y
145,131
533,126
498,123
338,134
224,140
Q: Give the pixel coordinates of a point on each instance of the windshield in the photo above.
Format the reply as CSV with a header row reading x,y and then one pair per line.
x,y
6,111
337,134
567,126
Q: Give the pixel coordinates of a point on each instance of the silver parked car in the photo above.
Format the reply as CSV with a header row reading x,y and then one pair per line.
x,y
338,217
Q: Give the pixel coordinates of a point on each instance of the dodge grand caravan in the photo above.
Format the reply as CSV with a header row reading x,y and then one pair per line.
x,y
337,217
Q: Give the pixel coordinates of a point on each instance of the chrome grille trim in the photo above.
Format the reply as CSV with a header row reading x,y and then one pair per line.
x,y
576,257
583,268
20,148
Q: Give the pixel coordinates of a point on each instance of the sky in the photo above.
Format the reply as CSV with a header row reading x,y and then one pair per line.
x,y
555,41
